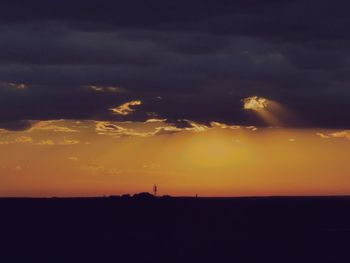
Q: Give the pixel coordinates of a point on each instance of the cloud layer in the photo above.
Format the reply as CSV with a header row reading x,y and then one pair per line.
x,y
190,60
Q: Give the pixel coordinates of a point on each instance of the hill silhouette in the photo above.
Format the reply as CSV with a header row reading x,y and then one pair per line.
x,y
144,196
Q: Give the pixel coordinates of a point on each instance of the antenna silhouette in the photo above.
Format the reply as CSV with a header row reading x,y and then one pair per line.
x,y
155,190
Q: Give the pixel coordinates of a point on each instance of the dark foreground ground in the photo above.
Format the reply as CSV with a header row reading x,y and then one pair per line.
x,y
175,230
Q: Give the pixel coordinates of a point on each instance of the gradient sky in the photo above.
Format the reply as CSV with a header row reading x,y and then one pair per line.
x,y
109,97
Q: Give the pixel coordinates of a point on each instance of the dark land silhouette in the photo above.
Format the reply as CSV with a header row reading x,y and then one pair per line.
x,y
145,228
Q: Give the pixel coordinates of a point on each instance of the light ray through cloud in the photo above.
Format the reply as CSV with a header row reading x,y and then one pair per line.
x,y
271,112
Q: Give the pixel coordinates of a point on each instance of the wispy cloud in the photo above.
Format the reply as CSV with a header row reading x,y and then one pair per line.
x,y
45,142
252,128
50,142
106,89
99,169
338,134
196,127
108,128
341,134
167,130
51,126
118,129
68,142
20,139
224,126
323,136
155,120
13,85
126,108
24,139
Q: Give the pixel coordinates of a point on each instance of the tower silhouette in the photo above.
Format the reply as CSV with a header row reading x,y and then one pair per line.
x,y
155,189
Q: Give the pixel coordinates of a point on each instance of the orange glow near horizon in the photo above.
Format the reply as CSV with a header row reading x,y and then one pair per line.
x,y
68,158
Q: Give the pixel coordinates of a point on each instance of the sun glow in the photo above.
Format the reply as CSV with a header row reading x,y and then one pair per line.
x,y
85,159
214,150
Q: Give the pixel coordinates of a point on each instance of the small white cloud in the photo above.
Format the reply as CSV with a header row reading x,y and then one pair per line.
x,y
255,103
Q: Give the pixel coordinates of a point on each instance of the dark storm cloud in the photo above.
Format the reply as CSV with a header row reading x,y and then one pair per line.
x,y
281,18
183,59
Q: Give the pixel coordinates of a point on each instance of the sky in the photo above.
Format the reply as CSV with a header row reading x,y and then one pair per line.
x,y
215,98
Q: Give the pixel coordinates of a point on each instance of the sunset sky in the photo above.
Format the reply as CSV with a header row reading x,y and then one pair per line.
x,y
215,98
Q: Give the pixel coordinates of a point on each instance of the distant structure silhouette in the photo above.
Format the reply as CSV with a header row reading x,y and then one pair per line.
x,y
144,196
155,190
